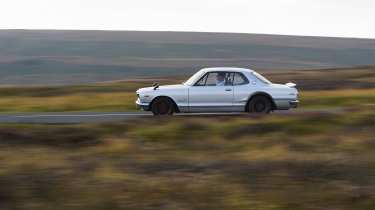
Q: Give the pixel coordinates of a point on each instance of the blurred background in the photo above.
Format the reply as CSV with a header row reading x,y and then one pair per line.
x,y
74,57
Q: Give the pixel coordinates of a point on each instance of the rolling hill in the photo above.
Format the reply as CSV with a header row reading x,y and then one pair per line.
x,y
48,57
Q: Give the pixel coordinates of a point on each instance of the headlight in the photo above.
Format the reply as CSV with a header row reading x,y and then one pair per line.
x,y
143,98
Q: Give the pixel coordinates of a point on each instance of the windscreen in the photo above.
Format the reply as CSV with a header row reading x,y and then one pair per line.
x,y
194,78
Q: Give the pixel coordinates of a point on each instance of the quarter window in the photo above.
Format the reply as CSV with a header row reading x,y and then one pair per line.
x,y
202,81
240,79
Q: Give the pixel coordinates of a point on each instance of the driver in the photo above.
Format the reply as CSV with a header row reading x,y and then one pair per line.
x,y
220,79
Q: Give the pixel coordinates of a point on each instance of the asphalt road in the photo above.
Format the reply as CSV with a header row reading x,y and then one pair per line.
x,y
91,117
85,117
69,117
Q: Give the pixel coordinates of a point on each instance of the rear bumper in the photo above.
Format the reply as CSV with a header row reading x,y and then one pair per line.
x,y
285,104
143,106
294,103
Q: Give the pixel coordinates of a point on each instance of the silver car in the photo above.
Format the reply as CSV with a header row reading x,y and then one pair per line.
x,y
222,89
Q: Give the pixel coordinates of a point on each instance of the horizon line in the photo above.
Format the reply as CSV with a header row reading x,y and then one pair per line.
x,y
184,31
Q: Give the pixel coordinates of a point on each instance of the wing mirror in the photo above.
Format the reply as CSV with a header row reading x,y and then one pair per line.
x,y
155,85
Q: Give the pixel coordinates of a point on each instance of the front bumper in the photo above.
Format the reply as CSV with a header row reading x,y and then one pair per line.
x,y
143,106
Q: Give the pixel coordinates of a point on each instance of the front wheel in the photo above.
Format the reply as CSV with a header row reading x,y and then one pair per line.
x,y
260,105
162,106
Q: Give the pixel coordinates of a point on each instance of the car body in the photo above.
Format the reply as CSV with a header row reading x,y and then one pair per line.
x,y
235,93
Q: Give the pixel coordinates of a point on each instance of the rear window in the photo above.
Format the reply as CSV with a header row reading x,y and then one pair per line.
x,y
261,78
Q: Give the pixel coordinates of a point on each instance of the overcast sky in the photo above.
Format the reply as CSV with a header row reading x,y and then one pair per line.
x,y
342,18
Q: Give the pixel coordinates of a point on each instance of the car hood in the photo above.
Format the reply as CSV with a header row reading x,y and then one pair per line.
x,y
162,87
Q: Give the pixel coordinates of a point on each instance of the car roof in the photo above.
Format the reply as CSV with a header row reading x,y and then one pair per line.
x,y
212,69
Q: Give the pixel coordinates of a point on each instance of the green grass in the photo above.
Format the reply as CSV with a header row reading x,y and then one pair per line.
x,y
309,161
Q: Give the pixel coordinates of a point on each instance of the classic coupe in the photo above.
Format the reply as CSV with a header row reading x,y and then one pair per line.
x,y
220,89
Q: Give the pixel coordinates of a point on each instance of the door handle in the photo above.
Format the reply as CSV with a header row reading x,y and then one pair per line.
x,y
228,89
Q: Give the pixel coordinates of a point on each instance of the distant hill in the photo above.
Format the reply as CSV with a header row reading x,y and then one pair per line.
x,y
47,57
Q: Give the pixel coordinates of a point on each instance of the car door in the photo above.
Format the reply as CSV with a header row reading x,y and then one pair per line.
x,y
212,93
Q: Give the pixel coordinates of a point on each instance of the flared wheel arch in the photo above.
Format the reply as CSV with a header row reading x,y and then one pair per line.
x,y
260,94
176,109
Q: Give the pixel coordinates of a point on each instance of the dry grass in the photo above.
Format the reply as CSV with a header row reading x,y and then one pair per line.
x,y
125,101
73,102
341,98
315,161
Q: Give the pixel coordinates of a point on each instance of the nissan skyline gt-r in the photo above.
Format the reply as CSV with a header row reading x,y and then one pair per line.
x,y
221,89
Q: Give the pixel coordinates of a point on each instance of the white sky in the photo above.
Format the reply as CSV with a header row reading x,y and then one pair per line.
x,y
342,18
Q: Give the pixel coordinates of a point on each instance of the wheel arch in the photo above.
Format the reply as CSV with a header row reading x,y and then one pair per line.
x,y
163,96
260,93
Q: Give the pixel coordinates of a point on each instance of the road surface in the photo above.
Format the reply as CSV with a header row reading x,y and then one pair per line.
x,y
90,117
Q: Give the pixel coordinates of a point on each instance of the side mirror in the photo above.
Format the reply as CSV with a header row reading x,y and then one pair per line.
x,y
155,85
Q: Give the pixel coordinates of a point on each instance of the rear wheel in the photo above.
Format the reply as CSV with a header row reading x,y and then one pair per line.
x,y
162,106
260,104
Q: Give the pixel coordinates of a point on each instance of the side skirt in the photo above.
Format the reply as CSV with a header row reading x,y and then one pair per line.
x,y
208,109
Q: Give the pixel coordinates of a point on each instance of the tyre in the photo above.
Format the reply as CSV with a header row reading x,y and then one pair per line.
x,y
260,105
162,106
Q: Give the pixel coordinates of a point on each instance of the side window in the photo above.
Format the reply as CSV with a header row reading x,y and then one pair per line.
x,y
211,79
216,79
240,79
219,79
